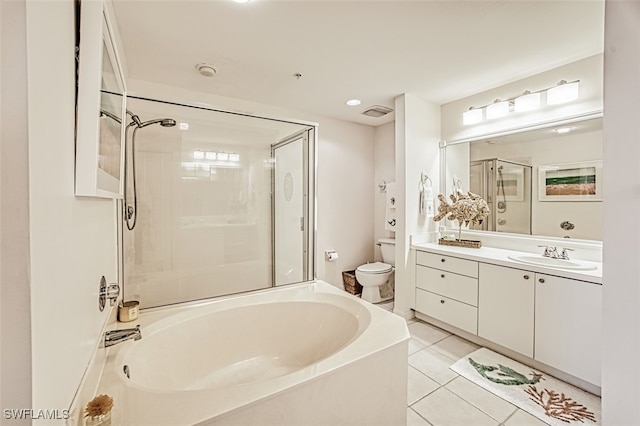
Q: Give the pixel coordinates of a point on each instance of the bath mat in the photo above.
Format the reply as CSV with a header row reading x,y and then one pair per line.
x,y
551,400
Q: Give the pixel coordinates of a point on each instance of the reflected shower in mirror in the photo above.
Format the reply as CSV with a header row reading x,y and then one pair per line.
x,y
544,182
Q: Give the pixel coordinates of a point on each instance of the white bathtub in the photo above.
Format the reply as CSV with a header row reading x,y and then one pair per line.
x,y
307,354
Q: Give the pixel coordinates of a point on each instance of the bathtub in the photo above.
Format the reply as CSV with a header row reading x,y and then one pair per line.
x,y
306,354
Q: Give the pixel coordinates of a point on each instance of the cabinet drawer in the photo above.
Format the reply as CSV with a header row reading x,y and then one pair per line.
x,y
452,312
448,263
453,286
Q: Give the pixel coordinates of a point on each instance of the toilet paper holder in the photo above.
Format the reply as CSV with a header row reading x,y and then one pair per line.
x,y
331,255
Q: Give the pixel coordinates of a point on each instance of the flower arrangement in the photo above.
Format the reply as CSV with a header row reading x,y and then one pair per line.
x,y
98,410
466,208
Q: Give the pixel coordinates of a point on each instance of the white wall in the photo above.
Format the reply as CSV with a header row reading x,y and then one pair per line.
x,y
384,171
73,240
15,315
417,135
345,214
588,71
621,292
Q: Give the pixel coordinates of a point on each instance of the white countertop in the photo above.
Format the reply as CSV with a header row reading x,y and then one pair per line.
x,y
500,257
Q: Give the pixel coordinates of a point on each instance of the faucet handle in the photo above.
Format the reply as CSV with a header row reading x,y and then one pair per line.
x,y
564,254
549,251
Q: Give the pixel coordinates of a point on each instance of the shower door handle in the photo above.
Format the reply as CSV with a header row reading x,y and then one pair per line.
x,y
302,223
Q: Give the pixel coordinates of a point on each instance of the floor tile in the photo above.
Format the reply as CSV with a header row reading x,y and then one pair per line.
x,y
454,347
419,386
487,402
415,346
434,365
414,419
522,418
444,408
426,333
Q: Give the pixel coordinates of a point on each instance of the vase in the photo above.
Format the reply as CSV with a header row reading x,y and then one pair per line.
x,y
101,420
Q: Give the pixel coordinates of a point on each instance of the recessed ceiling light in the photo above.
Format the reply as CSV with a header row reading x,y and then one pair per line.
x,y
241,1
354,102
206,70
562,130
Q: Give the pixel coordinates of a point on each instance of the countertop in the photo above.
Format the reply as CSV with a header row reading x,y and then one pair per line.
x,y
500,257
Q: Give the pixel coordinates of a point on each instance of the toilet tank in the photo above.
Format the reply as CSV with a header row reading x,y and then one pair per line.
x,y
388,250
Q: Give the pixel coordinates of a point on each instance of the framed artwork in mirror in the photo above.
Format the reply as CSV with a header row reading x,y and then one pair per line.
x,y
100,107
570,182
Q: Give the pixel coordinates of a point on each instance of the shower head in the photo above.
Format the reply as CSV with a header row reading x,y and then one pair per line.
x,y
164,122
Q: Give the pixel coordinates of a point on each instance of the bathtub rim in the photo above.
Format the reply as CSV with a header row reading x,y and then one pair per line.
x,y
385,331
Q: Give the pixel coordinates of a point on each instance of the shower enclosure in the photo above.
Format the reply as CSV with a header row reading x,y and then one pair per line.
x,y
506,186
223,203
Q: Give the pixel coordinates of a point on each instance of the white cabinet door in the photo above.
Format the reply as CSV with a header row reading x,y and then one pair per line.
x,y
568,326
506,307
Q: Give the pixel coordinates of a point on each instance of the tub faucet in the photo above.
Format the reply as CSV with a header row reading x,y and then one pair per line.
x,y
118,336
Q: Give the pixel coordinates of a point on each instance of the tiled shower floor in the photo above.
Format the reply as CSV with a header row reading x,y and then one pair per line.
x,y
438,396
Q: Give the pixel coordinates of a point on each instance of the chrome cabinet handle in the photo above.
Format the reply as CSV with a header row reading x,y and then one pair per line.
x,y
441,275
442,260
441,300
541,280
526,277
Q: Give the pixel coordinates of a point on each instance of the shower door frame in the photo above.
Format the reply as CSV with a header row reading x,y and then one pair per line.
x,y
309,203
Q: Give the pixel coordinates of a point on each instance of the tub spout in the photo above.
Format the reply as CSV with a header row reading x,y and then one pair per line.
x,y
118,336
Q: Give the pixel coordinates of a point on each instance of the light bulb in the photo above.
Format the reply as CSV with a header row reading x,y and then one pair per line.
x,y
563,92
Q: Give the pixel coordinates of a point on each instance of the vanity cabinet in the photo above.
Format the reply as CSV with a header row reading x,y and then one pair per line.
x,y
550,319
447,290
568,327
506,307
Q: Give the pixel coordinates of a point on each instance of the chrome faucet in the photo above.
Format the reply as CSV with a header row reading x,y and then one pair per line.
x,y
118,336
550,251
564,254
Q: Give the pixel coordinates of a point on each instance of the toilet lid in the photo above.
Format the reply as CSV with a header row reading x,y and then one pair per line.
x,y
375,268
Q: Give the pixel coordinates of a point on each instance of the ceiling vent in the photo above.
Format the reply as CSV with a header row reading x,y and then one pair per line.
x,y
377,111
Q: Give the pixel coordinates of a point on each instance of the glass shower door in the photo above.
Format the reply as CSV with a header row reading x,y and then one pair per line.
x,y
290,217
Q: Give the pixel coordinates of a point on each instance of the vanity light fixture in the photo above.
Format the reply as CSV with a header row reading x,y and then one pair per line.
x,y
234,157
497,109
354,102
527,102
209,155
563,92
472,116
198,155
223,156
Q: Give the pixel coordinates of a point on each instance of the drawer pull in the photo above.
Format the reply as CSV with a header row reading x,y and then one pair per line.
x,y
441,300
526,277
442,260
541,280
441,275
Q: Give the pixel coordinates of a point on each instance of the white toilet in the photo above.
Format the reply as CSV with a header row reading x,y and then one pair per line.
x,y
374,275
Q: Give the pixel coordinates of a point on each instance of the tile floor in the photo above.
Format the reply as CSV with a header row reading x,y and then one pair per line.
x,y
438,396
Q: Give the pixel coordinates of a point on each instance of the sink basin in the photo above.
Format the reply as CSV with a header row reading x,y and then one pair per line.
x,y
553,263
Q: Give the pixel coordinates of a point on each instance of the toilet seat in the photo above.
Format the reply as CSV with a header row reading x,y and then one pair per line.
x,y
375,268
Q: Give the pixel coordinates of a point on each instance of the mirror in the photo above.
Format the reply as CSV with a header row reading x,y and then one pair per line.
x,y
100,107
544,181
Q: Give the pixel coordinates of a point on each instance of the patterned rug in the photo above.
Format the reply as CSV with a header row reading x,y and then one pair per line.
x,y
554,402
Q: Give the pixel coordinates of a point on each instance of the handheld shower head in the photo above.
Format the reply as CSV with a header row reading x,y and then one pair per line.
x,y
164,122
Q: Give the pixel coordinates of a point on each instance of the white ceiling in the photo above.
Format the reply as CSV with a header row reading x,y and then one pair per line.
x,y
372,50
